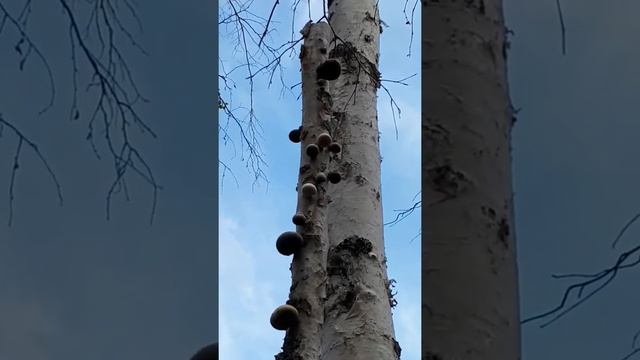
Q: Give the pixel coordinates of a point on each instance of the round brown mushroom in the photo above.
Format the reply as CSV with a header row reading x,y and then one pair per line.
x,y
312,150
321,177
335,147
324,140
309,190
299,219
289,242
284,317
294,135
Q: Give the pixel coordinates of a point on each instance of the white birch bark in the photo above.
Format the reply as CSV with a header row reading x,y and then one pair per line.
x,y
308,268
469,287
357,323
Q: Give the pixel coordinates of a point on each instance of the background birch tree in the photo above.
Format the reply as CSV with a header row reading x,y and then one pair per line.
x,y
469,276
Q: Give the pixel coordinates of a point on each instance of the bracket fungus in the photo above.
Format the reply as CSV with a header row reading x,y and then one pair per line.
x,y
324,140
294,135
334,177
309,190
321,177
335,147
289,242
284,317
312,150
328,70
299,219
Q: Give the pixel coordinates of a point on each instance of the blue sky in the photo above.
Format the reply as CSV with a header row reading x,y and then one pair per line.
x,y
254,277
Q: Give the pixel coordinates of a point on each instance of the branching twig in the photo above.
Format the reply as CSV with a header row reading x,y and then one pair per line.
x,y
22,139
404,213
117,94
562,28
603,278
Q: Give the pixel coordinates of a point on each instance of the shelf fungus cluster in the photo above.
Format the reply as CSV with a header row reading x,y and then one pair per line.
x,y
318,148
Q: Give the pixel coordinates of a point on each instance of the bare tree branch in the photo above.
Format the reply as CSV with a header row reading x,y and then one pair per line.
x,y
117,95
598,280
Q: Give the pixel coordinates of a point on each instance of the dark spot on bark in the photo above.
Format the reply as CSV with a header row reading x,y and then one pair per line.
x,y
339,116
347,169
323,51
340,257
488,46
324,97
396,348
503,232
437,141
360,180
290,348
446,180
348,299
432,356
368,38
355,245
304,169
488,211
354,60
302,51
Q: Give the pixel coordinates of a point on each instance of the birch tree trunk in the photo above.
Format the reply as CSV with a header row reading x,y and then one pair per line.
x,y
469,286
308,268
357,315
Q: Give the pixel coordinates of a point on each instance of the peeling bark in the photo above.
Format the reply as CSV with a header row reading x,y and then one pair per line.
x,y
469,286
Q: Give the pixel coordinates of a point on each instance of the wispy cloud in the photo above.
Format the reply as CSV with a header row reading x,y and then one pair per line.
x,y
246,296
408,328
25,327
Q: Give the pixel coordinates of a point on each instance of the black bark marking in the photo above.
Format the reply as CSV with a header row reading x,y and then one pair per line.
x,y
304,169
290,347
396,348
503,232
355,61
340,270
448,181
437,141
433,356
488,211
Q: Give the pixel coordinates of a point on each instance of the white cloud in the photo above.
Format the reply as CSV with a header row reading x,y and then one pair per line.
x,y
407,321
401,156
408,123
246,297
302,13
25,327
